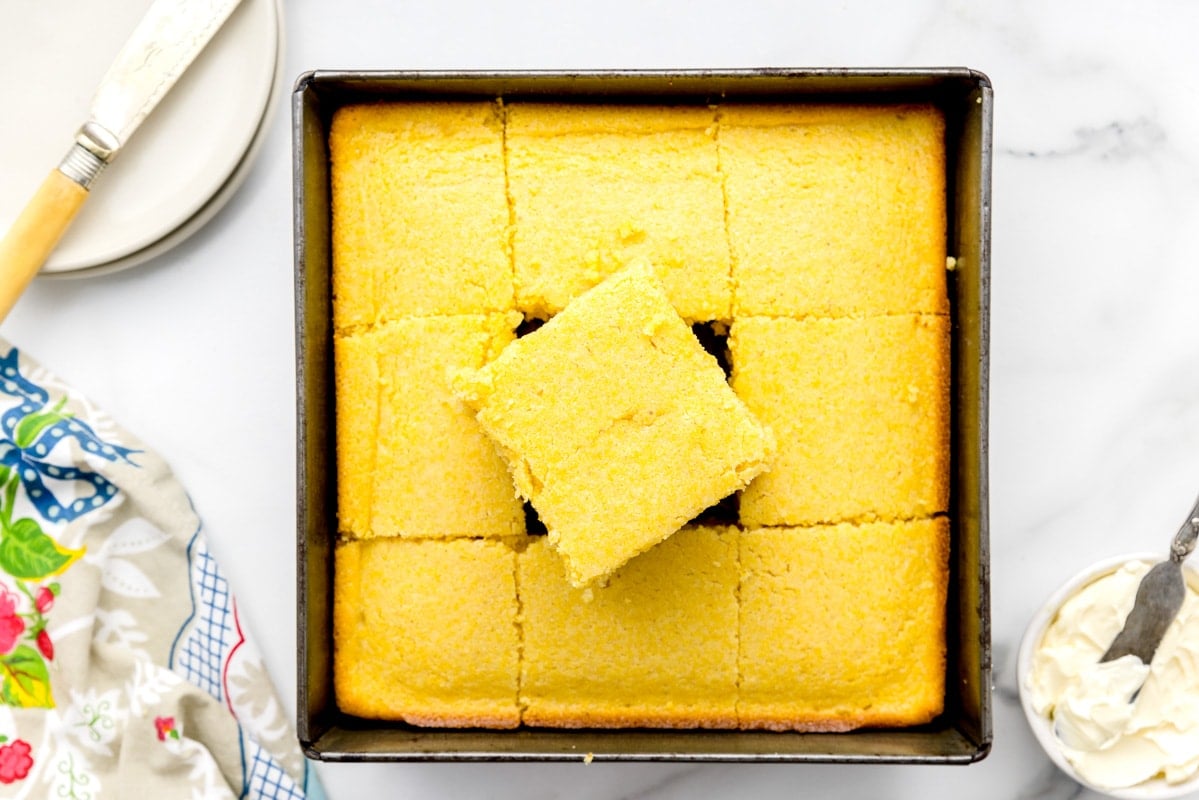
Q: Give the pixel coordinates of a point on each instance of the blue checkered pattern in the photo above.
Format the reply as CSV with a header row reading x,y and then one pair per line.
x,y
267,780
203,652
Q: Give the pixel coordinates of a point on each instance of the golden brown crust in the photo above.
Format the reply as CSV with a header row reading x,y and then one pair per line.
x,y
441,716
435,720
613,718
781,724
766,719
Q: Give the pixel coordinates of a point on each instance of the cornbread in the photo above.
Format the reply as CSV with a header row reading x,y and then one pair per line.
x,y
412,460
816,236
835,210
356,387
425,631
595,187
616,424
404,176
657,646
842,626
861,411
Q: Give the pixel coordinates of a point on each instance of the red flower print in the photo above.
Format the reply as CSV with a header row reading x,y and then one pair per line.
x,y
11,625
15,761
45,599
165,726
45,645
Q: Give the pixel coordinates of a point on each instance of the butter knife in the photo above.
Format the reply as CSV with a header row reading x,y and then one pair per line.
x,y
164,44
1159,599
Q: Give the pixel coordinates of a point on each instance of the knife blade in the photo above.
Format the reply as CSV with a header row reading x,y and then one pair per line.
x,y
161,48
1159,599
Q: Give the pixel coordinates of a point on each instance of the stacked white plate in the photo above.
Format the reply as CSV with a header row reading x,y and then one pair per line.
x,y
178,169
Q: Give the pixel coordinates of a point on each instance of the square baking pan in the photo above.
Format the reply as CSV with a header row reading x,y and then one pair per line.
x,y
960,735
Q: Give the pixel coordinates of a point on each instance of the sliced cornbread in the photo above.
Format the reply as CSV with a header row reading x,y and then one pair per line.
x,y
617,426
657,646
860,408
425,631
842,626
835,210
411,452
420,216
594,187
818,234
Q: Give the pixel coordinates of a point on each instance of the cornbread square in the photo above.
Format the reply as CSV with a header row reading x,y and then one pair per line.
x,y
595,187
843,626
425,631
656,647
412,459
420,214
835,210
616,424
861,411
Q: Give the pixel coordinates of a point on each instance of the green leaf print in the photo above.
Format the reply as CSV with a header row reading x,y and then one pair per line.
x,y
27,552
27,430
26,679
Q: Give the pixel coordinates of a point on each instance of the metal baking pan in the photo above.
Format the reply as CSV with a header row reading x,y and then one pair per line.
x,y
962,734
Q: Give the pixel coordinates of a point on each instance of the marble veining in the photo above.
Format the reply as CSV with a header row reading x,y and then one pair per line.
x,y
1095,336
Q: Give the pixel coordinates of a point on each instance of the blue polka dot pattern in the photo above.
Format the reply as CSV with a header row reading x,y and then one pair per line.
x,y
29,432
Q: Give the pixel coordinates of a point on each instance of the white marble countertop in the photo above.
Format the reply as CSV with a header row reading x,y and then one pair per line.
x,y
1095,346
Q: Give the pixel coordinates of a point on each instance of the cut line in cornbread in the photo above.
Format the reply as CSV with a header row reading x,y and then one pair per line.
x,y
655,647
420,212
835,210
860,408
594,188
843,626
389,662
616,424
412,460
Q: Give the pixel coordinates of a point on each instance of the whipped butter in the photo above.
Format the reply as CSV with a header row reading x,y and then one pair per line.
x,y
1111,742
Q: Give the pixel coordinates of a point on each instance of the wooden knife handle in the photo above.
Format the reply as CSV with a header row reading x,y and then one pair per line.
x,y
28,243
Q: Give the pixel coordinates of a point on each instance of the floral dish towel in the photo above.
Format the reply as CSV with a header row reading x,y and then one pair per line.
x,y
124,668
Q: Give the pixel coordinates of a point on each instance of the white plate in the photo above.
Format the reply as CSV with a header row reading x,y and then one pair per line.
x,y
181,161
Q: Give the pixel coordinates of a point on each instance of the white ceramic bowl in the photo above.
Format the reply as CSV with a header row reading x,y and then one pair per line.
x,y
1156,789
